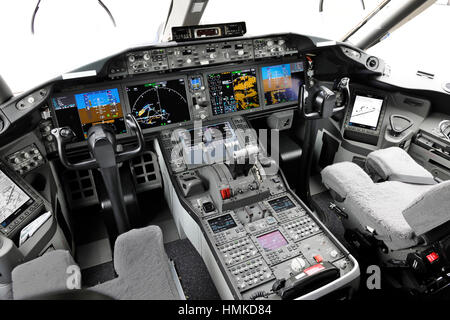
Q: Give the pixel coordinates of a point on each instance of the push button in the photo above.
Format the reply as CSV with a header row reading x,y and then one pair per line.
x,y
318,258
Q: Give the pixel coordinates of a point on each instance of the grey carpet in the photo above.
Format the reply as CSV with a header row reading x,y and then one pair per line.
x,y
98,274
194,277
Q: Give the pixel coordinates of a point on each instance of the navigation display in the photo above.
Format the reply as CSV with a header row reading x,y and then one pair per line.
x,y
159,103
366,112
84,110
222,223
12,199
233,91
281,204
272,241
281,82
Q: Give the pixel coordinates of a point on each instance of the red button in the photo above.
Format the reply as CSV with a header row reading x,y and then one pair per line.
x,y
318,258
432,257
225,193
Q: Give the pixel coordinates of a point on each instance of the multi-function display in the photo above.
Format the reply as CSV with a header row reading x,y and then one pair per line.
x,y
222,223
233,91
281,204
272,240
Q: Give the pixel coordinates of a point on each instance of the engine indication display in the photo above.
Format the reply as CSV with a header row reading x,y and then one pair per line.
x,y
233,91
159,103
281,82
82,111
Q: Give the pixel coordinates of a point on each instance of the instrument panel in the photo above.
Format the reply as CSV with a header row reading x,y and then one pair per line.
x,y
172,101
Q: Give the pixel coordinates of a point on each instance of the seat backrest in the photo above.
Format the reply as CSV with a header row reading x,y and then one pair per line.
x,y
430,209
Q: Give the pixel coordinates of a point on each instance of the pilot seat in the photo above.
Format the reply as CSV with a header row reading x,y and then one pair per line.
x,y
142,266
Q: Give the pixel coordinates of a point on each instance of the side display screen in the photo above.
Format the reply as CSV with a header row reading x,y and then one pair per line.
x,y
233,91
281,204
222,223
366,112
84,110
272,240
159,103
13,200
281,82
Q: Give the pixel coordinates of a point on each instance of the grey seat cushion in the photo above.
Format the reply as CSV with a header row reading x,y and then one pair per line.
x,y
142,267
376,205
396,164
45,274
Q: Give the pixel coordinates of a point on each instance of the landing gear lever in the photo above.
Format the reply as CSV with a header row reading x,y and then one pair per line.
x,y
103,148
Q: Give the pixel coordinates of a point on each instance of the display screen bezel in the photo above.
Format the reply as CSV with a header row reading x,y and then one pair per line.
x,y
286,242
154,80
261,83
233,69
161,79
283,209
90,89
380,116
222,228
22,208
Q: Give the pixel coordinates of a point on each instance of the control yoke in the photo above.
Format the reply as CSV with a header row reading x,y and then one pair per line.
x,y
318,102
103,148
98,137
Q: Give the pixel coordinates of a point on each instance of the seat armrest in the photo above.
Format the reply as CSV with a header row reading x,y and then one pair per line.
x,y
395,164
429,210
343,177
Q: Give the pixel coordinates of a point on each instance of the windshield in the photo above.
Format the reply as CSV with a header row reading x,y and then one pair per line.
x,y
422,44
303,17
70,34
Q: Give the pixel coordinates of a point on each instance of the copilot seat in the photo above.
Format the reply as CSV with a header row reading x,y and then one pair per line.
x,y
398,213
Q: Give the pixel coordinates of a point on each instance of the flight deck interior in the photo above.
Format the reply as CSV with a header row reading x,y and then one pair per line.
x,y
224,166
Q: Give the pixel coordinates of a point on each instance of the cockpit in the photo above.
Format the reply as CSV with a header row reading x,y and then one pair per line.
x,y
214,164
